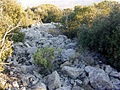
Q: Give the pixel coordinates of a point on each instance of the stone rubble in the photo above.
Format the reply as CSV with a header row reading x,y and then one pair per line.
x,y
74,70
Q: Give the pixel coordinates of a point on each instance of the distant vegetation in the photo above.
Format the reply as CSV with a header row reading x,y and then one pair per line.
x,y
72,20
44,13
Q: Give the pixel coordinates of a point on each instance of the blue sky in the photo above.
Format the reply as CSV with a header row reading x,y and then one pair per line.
x,y
60,3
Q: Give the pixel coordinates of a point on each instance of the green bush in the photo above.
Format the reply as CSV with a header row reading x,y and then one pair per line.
x,y
83,15
44,57
46,13
10,15
17,36
104,36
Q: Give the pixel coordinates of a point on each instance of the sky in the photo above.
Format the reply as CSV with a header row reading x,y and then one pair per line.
x,y
60,3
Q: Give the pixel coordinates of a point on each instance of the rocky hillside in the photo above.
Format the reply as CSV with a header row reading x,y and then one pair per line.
x,y
74,69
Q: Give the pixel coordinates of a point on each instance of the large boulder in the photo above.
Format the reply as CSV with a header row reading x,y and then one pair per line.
x,y
72,72
98,78
53,81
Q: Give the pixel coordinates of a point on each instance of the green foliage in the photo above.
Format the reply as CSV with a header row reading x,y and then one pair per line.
x,y
14,11
104,36
47,13
105,7
59,51
11,14
17,36
44,57
84,15
30,13
80,15
5,44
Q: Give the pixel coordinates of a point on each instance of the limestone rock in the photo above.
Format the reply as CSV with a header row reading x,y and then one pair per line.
x,y
77,88
98,78
64,88
31,50
116,83
39,86
53,81
115,74
68,54
73,72
108,69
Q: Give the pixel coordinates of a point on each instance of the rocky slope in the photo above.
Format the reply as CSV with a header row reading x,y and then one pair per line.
x,y
73,70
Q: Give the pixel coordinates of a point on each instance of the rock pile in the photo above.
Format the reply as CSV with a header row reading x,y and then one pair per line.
x,y
73,70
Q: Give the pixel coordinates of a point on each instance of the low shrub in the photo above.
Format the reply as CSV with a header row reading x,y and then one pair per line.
x,y
17,36
44,57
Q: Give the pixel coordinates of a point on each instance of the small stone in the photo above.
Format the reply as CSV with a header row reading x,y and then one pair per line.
x,y
72,82
15,84
23,88
67,63
25,83
86,81
73,72
78,82
116,83
31,50
71,45
115,74
77,88
64,88
39,86
89,69
11,73
68,54
27,69
108,69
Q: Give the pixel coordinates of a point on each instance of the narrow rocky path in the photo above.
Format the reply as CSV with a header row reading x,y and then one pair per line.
x,y
72,70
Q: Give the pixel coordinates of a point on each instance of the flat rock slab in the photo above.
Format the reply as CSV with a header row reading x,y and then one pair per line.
x,y
73,72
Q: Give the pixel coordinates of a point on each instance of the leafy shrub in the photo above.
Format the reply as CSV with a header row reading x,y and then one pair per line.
x,y
104,36
8,22
84,15
17,36
46,13
44,57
